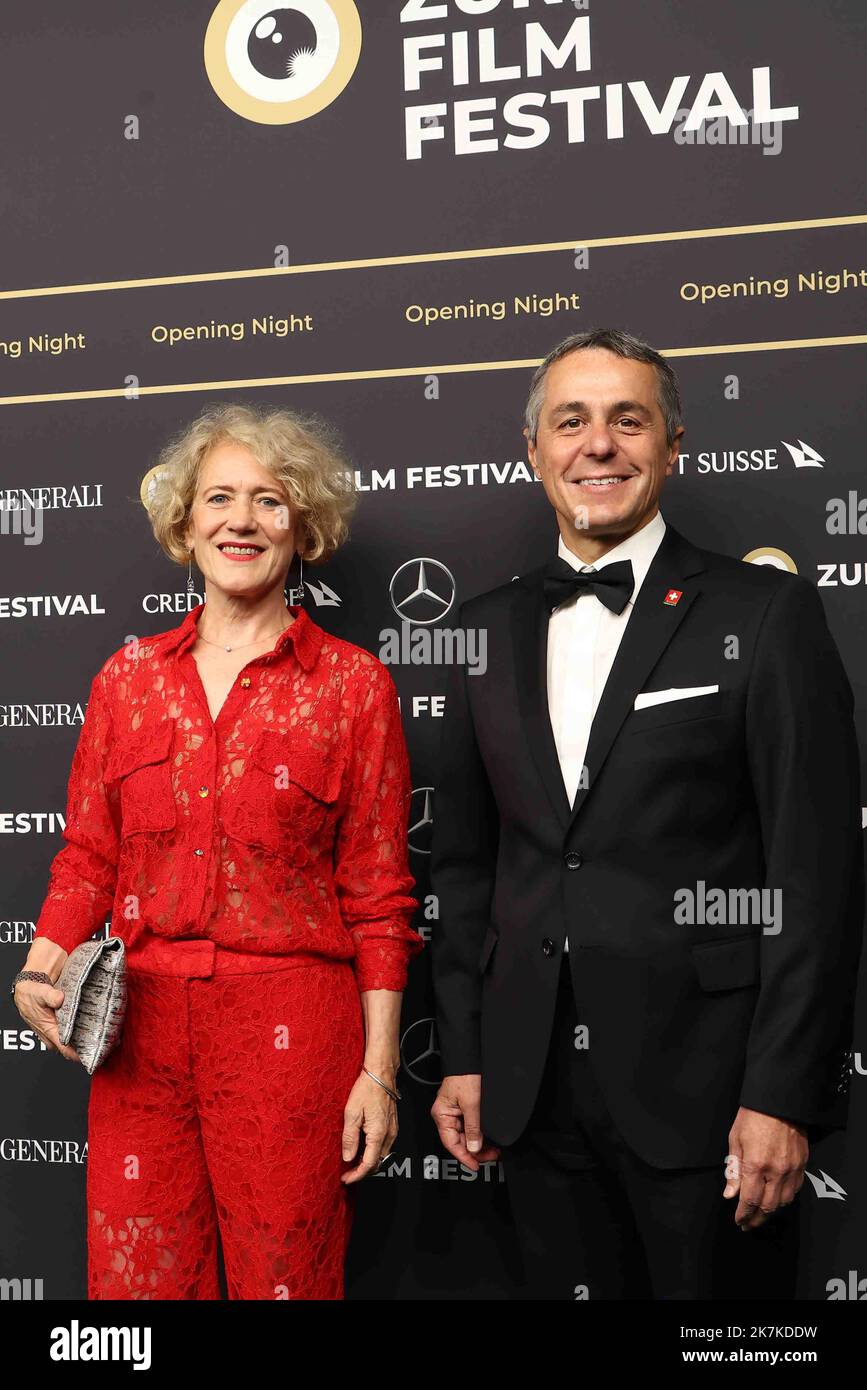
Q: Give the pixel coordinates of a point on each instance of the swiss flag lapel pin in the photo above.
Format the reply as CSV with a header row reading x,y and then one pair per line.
x,y
672,597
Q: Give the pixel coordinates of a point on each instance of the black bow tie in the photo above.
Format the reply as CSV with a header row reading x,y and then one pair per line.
x,y
612,584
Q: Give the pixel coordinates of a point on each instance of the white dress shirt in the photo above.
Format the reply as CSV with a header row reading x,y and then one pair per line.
x,y
583,637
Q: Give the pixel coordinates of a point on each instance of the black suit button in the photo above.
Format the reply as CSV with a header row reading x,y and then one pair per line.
x,y
573,859
548,947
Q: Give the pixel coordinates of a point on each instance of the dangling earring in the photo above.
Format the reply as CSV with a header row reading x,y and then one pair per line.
x,y
190,571
296,596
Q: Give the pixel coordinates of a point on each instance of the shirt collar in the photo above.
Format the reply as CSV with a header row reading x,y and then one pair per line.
x,y
640,548
304,636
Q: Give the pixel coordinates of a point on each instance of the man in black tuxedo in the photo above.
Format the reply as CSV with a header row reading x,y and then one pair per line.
x,y
647,855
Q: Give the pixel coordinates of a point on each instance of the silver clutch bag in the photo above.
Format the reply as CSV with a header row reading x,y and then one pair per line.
x,y
93,981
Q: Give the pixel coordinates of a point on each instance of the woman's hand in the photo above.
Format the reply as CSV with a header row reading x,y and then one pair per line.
x,y
369,1110
37,1004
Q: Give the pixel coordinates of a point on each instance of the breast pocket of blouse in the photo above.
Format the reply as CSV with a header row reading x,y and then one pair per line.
x,y
140,763
285,796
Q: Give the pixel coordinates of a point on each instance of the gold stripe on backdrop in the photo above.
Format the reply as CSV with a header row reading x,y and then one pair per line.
x,y
440,370
426,258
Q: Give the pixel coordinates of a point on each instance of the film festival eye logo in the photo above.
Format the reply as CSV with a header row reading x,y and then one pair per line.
x,y
149,484
281,63
770,555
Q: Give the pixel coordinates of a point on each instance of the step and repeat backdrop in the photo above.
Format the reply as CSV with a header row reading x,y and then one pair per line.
x,y
386,214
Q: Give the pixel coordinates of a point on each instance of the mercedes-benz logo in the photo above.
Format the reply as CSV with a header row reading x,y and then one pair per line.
x,y
421,820
422,591
420,1053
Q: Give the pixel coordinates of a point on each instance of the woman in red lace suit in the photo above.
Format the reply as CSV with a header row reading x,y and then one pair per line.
x,y
238,802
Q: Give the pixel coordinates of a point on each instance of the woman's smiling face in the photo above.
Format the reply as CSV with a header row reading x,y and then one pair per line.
x,y
241,523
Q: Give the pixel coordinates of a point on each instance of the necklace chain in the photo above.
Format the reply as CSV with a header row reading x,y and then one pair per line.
x,y
240,647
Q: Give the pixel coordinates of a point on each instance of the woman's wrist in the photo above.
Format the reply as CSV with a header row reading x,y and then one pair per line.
x,y
385,1067
382,1032
47,956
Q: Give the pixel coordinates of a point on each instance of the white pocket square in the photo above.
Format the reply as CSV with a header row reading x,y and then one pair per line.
x,y
684,692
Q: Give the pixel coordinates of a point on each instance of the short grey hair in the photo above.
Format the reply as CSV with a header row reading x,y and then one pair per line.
x,y
624,345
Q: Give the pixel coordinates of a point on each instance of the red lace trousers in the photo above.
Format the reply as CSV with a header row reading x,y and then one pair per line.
x,y
221,1108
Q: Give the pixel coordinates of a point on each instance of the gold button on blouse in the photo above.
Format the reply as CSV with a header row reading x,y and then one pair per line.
x,y
203,791
245,681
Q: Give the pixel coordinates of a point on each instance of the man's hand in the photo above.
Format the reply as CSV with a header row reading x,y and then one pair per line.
x,y
766,1162
456,1116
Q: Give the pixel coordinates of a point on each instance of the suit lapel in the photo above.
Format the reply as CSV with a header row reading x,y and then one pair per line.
x,y
651,627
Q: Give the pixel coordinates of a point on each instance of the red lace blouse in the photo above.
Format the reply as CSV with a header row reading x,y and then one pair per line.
x,y
281,828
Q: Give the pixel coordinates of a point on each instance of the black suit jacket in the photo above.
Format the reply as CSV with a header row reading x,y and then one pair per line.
x,y
754,786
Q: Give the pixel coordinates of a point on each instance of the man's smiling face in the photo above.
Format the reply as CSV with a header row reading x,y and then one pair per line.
x,y
600,449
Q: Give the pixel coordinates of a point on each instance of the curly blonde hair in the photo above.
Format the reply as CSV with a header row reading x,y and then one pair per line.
x,y
302,451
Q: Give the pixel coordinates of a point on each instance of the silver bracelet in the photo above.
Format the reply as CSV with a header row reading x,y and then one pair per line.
x,y
395,1095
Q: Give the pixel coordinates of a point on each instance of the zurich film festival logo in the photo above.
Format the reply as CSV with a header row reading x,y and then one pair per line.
x,y
772,556
276,64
